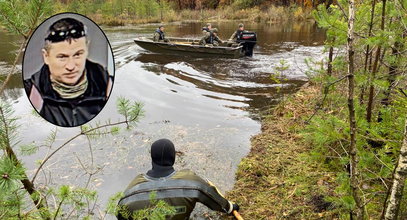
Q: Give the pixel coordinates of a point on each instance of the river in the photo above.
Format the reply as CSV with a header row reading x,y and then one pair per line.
x,y
208,107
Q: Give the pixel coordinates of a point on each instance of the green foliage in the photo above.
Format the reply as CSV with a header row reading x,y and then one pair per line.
x,y
28,149
280,69
334,22
19,198
69,200
132,111
10,174
246,3
378,141
8,125
72,198
158,210
26,18
112,207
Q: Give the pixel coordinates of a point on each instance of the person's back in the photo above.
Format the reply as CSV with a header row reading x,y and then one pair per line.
x,y
180,189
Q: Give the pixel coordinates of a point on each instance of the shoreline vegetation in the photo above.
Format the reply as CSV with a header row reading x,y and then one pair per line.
x,y
276,179
151,11
336,149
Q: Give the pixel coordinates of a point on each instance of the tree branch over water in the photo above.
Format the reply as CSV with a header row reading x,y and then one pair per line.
x,y
128,121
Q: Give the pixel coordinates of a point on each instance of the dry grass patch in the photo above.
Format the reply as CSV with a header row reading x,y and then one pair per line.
x,y
277,179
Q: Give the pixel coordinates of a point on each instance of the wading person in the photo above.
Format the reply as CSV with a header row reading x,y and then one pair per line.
x,y
159,35
180,189
69,90
237,35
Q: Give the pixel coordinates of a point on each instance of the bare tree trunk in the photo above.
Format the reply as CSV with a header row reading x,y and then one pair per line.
x,y
161,10
375,69
354,174
396,192
330,58
368,52
39,202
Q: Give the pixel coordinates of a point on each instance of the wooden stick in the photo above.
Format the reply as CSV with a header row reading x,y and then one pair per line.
x,y
237,215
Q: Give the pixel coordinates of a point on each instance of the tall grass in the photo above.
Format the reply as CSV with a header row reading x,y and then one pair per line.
x,y
122,12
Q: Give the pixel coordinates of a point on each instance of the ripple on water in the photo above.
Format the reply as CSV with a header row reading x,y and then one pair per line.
x,y
208,107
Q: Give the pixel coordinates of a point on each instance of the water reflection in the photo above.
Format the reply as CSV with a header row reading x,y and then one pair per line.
x,y
13,88
9,43
208,107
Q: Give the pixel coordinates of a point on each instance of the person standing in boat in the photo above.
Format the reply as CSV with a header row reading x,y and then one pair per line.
x,y
237,35
159,35
181,189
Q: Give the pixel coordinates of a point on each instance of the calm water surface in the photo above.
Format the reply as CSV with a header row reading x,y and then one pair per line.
x,y
209,107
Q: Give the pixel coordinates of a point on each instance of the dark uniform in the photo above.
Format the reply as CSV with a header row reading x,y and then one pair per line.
x,y
236,36
70,112
180,189
159,36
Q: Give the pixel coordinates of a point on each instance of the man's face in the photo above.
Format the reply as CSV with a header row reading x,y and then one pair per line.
x,y
241,28
162,29
210,27
66,60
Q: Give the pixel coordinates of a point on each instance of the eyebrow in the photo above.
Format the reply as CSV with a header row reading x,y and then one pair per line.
x,y
66,55
80,51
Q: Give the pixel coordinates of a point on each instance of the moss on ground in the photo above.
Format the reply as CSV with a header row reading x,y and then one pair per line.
x,y
278,180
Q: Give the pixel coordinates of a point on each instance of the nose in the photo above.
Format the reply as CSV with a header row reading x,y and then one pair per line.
x,y
70,64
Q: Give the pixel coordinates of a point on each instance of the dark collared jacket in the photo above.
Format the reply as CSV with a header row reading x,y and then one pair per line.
x,y
237,34
70,112
181,189
159,35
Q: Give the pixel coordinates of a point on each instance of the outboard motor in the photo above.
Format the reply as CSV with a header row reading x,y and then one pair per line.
x,y
248,39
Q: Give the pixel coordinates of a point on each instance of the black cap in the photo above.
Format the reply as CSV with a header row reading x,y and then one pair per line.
x,y
64,29
163,152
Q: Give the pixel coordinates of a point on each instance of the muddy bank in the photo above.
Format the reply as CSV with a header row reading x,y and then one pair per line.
x,y
277,180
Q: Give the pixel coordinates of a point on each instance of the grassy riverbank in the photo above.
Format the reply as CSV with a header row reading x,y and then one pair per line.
x,y
161,14
277,179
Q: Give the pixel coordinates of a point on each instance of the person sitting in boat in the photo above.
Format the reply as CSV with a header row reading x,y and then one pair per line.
x,y
237,35
180,189
206,30
159,35
210,36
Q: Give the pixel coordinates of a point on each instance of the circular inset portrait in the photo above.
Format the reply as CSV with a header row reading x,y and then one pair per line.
x,y
68,69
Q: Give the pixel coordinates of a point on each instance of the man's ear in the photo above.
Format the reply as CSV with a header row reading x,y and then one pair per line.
x,y
45,55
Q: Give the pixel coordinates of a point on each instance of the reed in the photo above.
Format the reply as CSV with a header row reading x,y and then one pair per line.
x,y
124,12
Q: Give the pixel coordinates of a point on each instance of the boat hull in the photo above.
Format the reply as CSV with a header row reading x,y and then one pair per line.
x,y
189,47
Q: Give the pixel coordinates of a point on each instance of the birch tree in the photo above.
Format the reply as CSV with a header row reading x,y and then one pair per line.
x,y
400,174
352,120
